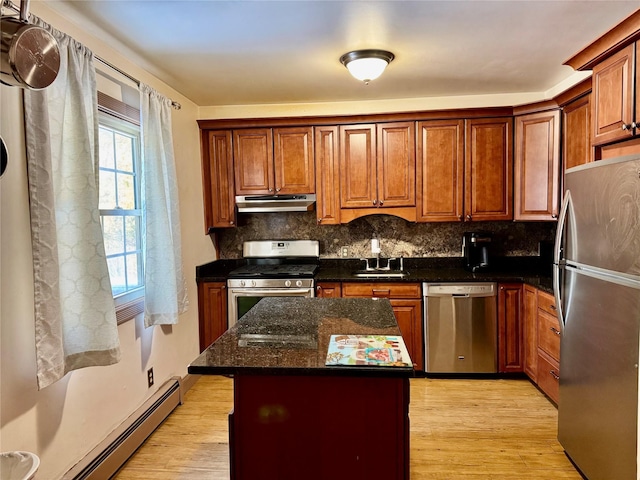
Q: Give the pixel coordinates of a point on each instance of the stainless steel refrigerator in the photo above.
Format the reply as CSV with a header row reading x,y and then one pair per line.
x,y
597,288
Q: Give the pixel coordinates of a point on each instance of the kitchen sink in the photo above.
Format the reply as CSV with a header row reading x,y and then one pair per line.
x,y
380,273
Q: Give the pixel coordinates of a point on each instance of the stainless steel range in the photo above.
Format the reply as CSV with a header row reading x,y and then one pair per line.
x,y
273,268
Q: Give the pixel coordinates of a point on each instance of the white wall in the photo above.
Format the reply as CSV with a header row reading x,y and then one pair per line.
x,y
66,420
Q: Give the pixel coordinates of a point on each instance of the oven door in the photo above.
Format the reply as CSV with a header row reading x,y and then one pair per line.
x,y
242,299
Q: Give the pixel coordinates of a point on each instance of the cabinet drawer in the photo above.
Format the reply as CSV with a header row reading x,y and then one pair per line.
x,y
382,290
548,376
549,334
547,302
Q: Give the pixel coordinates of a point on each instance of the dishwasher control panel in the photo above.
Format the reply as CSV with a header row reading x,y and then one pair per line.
x,y
467,289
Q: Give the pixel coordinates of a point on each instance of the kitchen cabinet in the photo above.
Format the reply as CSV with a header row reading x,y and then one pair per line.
x,y
329,290
530,320
406,301
548,375
440,171
274,161
212,312
537,166
327,176
510,328
615,106
576,136
377,170
488,169
217,179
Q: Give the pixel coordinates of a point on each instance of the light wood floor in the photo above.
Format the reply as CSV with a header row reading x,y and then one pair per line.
x,y
460,429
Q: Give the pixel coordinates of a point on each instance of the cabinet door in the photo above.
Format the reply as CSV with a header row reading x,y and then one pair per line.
x,y
440,170
488,169
293,160
409,317
510,335
217,179
530,319
396,164
212,312
612,106
327,176
358,176
329,290
576,138
253,160
537,164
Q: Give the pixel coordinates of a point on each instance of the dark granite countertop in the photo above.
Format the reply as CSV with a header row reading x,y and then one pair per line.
x,y
290,336
530,270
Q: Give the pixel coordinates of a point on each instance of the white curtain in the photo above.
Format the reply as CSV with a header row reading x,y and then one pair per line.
x,y
75,317
165,294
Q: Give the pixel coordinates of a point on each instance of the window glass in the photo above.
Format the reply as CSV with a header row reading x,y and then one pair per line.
x,y
120,205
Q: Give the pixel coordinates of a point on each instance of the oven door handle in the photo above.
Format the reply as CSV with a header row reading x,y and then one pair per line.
x,y
271,292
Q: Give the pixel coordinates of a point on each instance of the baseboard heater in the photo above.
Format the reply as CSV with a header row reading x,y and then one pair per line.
x,y
105,460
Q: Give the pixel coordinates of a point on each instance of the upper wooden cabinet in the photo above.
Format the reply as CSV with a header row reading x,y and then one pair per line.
x,y
488,169
217,179
440,170
615,108
536,166
377,170
274,161
576,134
327,176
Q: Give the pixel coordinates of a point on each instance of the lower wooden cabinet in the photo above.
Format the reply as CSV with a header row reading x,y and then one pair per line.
x,y
329,290
530,320
406,301
212,312
510,328
548,374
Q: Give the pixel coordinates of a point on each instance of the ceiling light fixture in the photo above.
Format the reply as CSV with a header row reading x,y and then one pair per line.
x,y
366,65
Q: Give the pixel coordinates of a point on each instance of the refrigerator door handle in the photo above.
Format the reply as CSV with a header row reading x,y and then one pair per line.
x,y
558,260
557,249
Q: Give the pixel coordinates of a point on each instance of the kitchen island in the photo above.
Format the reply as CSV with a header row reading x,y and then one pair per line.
x,y
295,417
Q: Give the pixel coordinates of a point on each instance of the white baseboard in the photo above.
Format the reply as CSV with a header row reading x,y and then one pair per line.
x,y
110,454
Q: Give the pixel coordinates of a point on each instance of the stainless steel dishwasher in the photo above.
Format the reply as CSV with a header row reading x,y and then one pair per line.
x,y
460,327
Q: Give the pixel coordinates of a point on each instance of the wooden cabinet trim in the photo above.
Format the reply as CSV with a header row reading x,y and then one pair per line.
x,y
327,176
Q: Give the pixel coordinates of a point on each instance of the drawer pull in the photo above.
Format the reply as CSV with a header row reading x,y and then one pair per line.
x,y
554,374
381,293
555,330
552,307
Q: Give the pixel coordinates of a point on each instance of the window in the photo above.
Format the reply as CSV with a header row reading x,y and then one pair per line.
x,y
120,205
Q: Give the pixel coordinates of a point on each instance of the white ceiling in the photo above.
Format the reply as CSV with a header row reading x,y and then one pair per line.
x,y
280,52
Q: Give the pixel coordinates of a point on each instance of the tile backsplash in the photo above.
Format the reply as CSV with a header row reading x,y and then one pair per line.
x,y
397,236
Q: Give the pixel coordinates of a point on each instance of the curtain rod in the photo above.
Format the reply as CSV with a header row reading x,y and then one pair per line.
x,y
11,6
174,104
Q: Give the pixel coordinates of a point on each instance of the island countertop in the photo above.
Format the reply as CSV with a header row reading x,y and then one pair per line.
x,y
290,336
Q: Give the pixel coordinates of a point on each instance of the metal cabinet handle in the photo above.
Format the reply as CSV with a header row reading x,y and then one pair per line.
x,y
381,202
626,126
634,125
375,202
459,217
554,375
554,215
468,217
271,189
278,189
231,223
557,332
380,293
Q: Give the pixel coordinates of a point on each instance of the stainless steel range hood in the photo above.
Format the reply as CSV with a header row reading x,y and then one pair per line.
x,y
275,203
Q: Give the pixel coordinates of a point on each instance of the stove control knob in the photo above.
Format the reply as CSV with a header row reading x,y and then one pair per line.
x,y
242,283
287,283
253,283
299,283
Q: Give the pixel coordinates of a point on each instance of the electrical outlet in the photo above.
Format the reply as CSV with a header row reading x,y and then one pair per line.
x,y
345,251
150,377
